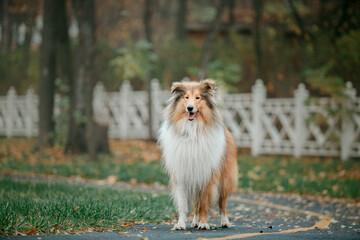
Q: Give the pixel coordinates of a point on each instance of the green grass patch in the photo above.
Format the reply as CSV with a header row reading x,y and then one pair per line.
x,y
80,166
19,155
318,176
49,208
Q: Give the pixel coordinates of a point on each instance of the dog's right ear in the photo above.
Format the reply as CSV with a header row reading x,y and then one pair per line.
x,y
177,87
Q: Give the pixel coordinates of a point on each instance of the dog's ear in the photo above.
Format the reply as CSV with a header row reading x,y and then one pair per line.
x,y
177,87
208,86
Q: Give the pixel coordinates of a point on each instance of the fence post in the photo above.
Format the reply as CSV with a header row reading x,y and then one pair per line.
x,y
10,107
301,94
155,102
101,112
124,105
347,124
258,98
30,108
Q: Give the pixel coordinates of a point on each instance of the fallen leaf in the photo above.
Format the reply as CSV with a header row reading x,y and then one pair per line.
x,y
322,174
32,231
133,181
111,179
292,181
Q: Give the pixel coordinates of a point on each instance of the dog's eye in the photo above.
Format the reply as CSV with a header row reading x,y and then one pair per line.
x,y
187,97
197,97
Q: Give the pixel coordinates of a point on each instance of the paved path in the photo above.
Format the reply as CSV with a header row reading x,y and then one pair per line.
x,y
255,216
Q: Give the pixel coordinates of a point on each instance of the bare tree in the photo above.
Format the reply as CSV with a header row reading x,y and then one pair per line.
x,y
210,40
180,24
6,25
258,7
76,141
231,8
64,50
148,13
298,19
147,20
47,74
84,133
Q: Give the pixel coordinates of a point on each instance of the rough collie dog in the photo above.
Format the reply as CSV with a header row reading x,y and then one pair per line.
x,y
199,153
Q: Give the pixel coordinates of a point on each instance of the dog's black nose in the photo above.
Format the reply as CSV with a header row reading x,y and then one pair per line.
x,y
190,108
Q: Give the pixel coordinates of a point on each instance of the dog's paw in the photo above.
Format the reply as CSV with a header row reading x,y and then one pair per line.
x,y
204,226
194,224
225,221
180,226
225,225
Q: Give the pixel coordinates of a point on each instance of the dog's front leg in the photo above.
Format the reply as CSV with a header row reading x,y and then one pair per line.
x,y
182,206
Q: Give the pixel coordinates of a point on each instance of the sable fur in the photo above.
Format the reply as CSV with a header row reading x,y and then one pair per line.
x,y
199,153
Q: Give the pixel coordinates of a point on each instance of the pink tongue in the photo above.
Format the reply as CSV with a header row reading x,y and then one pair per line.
x,y
191,116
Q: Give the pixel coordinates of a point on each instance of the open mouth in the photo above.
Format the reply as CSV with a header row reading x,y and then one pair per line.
x,y
192,115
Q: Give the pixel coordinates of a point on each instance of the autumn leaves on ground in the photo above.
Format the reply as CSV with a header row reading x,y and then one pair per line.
x,y
68,208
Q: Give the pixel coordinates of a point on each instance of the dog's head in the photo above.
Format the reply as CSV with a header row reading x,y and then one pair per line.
x,y
193,101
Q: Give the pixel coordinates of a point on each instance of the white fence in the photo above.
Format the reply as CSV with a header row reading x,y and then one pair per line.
x,y
266,125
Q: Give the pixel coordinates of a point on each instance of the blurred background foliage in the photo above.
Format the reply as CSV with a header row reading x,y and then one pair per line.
x,y
133,63
315,42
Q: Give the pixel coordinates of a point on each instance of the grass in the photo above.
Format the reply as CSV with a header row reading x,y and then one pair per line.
x,y
48,208
132,163
138,161
139,170
316,176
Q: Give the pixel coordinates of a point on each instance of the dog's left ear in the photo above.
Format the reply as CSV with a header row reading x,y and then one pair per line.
x,y
208,85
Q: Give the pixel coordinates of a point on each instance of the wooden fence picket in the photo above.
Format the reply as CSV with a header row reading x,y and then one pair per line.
x,y
266,125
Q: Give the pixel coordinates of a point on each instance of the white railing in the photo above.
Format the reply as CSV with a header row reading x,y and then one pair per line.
x,y
266,125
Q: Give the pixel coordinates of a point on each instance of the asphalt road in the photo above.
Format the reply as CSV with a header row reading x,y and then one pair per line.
x,y
254,216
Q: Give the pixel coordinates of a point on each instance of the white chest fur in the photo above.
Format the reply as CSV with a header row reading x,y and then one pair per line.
x,y
191,155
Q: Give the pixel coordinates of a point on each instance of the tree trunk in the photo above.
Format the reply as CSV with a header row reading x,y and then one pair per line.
x,y
6,26
64,50
258,7
83,135
47,74
210,40
147,20
231,7
148,33
28,35
76,141
180,24
298,19
343,18
65,56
